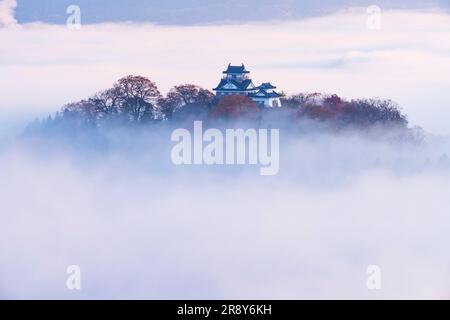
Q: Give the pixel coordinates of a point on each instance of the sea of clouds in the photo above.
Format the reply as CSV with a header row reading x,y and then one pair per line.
x,y
139,227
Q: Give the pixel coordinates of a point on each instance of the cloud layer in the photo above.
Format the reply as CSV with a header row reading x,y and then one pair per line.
x,y
7,8
44,66
140,228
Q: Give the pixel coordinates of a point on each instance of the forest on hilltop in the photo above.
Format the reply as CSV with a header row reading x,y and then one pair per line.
x,y
137,101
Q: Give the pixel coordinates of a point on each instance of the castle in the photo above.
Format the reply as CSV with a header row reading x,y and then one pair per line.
x,y
236,81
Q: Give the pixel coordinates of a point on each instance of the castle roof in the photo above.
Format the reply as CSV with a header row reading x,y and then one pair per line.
x,y
233,85
236,69
264,94
267,85
242,85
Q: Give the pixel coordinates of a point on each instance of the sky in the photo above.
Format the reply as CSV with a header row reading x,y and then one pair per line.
x,y
188,12
45,66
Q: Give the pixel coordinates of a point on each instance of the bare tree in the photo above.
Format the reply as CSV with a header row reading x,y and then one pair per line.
x,y
184,95
106,103
138,97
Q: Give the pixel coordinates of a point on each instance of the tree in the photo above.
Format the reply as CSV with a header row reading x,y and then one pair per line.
x,y
372,111
134,97
82,111
184,95
301,100
138,97
333,101
106,103
167,107
205,96
318,112
236,107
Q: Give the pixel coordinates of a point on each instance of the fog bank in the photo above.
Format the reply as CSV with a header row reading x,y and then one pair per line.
x,y
140,228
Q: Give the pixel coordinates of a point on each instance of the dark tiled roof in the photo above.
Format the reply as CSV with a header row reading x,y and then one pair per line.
x,y
246,83
221,84
236,69
264,94
241,86
267,85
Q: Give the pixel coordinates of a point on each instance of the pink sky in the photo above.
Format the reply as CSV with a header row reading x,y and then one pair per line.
x,y
44,66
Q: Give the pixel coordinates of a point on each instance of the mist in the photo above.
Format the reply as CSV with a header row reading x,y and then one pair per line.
x,y
140,227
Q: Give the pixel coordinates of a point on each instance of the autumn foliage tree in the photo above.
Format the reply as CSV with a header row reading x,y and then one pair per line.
x,y
136,99
340,112
232,107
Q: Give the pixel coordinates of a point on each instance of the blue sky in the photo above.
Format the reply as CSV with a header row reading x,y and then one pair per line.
x,y
187,12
